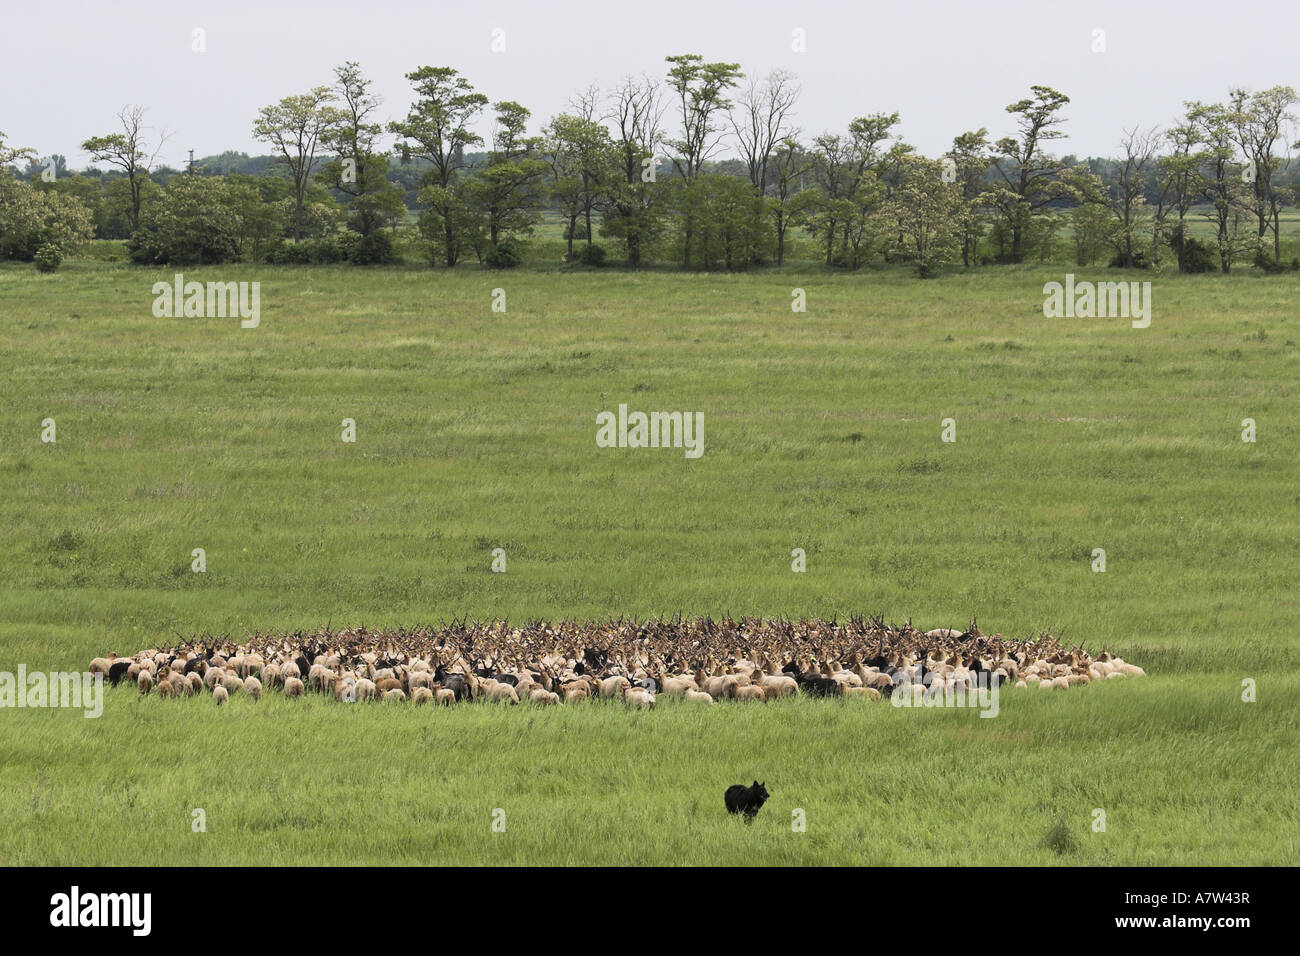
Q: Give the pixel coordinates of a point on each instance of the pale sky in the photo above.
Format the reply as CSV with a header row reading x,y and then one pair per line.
x,y
945,66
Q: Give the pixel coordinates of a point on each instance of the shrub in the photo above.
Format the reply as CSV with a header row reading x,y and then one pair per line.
x,y
376,249
48,257
504,255
289,253
590,256
198,220
30,219
1198,256
1139,260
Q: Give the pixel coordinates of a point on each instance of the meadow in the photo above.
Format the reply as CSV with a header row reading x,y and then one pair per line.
x,y
476,431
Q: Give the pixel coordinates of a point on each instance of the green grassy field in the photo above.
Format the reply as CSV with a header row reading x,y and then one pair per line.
x,y
476,430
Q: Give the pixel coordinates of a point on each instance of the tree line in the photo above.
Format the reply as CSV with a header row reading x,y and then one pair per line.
x,y
703,167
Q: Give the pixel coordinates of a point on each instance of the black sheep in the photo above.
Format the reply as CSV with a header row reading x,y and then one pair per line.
x,y
117,671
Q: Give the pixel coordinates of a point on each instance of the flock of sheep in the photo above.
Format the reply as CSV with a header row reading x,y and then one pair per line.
x,y
699,660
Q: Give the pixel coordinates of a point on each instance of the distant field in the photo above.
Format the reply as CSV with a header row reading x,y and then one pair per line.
x,y
476,430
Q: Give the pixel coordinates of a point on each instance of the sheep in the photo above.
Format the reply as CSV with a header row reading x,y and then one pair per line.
x,y
394,693
635,663
344,688
868,693
578,690
445,696
292,687
317,678
144,681
421,695
498,692
612,687
724,685
219,695
253,687
639,698
181,685
779,685
678,686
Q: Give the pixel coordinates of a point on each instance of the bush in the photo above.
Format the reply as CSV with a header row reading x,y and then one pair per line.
x,y
48,257
1139,260
30,219
198,220
504,255
375,249
590,256
307,252
1198,256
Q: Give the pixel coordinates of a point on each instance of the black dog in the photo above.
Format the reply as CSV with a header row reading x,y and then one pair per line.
x,y
746,800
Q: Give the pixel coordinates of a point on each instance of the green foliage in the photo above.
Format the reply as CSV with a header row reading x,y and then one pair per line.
x,y
373,249
199,220
48,257
593,255
32,218
505,254
727,222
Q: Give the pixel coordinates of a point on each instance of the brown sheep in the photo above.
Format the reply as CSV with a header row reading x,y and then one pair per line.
x,y
575,691
613,687
445,696
421,695
498,692
678,686
868,693
779,685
